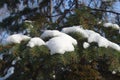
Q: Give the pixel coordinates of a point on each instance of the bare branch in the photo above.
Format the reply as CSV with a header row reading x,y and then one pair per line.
x,y
102,10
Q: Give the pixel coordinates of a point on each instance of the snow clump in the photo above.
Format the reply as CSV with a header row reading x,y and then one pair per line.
x,y
86,45
36,41
17,38
114,26
50,33
113,72
60,43
74,29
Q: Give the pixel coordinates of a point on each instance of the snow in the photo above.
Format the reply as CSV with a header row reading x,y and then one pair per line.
x,y
95,37
28,21
4,12
107,24
61,43
113,72
103,42
17,38
9,73
92,37
99,22
114,46
54,76
86,45
36,41
114,26
74,29
14,62
50,33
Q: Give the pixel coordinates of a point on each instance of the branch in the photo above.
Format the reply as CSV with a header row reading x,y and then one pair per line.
x,y
102,10
69,10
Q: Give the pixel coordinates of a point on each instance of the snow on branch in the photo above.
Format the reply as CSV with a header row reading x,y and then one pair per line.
x,y
114,26
36,41
17,38
92,37
60,42
50,33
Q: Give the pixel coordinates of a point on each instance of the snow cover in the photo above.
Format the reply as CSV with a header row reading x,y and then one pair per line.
x,y
36,41
60,43
74,29
17,38
99,22
28,21
113,72
92,37
86,45
54,76
4,12
50,33
9,73
114,26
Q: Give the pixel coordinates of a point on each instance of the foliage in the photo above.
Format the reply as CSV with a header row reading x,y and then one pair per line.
x,y
82,72
82,17
36,63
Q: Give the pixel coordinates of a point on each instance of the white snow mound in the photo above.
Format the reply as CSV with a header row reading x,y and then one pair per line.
x,y
50,33
61,44
17,38
114,26
86,45
36,41
74,29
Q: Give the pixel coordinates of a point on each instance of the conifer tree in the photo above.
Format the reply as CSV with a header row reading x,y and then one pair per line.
x,y
39,46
